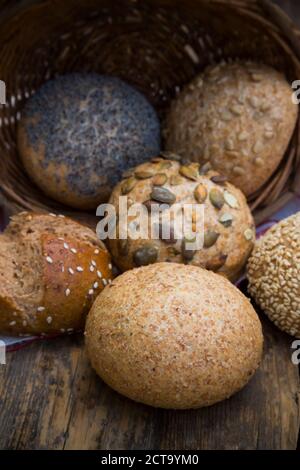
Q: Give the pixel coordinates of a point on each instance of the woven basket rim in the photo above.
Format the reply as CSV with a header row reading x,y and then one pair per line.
x,y
280,26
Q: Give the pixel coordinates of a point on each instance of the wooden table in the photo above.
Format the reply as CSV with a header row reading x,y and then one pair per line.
x,y
51,399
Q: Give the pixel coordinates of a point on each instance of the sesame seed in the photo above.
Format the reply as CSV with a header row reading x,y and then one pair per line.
x,y
62,330
79,269
96,251
91,291
94,263
62,269
66,246
69,330
110,266
104,282
49,320
96,285
67,292
99,274
40,309
12,323
61,216
74,251
71,271
109,281
61,239
49,259
52,215
92,269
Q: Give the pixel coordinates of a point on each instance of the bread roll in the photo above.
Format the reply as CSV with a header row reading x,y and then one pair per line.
x,y
51,270
273,272
80,131
229,230
239,117
173,336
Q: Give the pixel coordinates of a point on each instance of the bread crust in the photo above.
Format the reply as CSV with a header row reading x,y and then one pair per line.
x,y
238,116
174,336
68,278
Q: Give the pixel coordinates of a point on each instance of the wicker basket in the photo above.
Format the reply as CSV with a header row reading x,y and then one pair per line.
x,y
156,45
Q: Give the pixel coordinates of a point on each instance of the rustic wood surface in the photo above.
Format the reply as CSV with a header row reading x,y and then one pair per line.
x,y
50,398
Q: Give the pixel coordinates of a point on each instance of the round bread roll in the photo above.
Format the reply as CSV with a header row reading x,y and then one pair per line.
x,y
274,275
174,336
80,131
51,270
240,117
228,227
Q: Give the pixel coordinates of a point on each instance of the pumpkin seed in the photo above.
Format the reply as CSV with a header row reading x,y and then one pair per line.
x,y
170,156
187,255
205,168
148,204
175,180
173,251
216,198
231,200
219,179
210,238
216,263
128,185
248,234
200,193
143,174
123,247
160,179
162,195
145,255
189,172
226,219
164,165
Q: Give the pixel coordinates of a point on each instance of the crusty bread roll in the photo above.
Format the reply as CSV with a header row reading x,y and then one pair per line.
x,y
51,269
273,273
238,116
229,230
173,336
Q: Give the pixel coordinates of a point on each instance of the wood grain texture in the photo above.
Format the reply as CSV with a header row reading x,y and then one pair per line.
x,y
50,398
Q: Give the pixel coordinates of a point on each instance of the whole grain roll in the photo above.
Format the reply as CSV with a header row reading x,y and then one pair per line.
x,y
273,273
51,270
173,336
228,228
239,117
79,132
